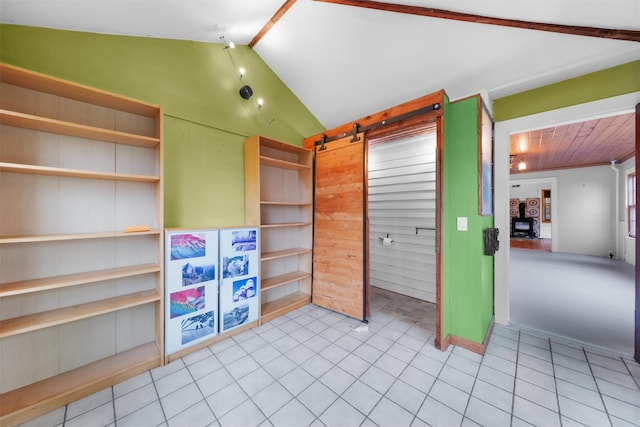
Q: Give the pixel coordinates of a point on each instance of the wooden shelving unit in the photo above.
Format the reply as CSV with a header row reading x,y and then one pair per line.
x,y
81,300
279,199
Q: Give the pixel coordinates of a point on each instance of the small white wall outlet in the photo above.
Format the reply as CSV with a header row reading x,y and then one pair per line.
x,y
462,223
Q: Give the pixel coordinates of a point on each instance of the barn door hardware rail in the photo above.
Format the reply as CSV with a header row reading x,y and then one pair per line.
x,y
358,129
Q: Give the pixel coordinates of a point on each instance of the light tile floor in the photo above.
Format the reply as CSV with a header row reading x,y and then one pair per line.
x,y
311,368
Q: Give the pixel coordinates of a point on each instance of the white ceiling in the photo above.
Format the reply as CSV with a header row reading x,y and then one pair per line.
x,y
346,62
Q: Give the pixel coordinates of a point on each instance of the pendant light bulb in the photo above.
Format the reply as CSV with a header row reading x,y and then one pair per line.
x,y
260,103
242,71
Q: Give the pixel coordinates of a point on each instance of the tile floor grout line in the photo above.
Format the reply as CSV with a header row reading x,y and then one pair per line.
x,y
515,378
555,382
595,381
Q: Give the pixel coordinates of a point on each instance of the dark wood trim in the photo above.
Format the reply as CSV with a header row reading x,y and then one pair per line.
x,y
471,345
440,343
275,18
606,33
398,110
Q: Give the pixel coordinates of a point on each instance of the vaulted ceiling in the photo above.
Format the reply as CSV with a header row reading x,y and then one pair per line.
x,y
345,59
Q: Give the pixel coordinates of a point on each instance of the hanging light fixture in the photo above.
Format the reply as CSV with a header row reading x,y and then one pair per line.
x,y
246,92
522,165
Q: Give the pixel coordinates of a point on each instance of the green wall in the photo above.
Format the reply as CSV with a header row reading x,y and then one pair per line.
x,y
467,274
602,84
205,119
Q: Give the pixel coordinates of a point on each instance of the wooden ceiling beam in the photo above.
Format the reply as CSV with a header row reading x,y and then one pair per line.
x,y
607,33
275,18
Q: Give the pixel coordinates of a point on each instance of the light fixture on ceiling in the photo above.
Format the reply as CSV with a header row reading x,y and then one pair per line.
x,y
246,92
522,165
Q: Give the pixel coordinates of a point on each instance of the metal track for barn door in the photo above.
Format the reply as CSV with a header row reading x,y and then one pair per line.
x,y
358,129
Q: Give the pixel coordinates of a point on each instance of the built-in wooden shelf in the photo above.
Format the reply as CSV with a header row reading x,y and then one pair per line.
x,y
286,224
282,164
274,203
27,402
273,309
273,282
74,173
51,130
279,198
47,283
45,124
46,319
72,236
55,86
267,256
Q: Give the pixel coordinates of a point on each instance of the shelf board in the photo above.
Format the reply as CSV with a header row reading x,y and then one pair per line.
x,y
273,282
273,203
267,256
46,319
45,124
55,86
272,309
37,285
282,164
72,236
285,224
74,173
38,398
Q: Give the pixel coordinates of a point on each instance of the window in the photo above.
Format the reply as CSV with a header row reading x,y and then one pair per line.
x,y
631,203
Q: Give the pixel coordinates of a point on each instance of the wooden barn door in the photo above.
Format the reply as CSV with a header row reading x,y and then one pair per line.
x,y
340,227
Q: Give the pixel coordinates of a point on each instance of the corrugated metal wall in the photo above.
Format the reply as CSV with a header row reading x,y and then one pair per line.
x,y
402,204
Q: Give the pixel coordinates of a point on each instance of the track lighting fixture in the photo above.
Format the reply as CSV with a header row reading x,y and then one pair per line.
x,y
246,92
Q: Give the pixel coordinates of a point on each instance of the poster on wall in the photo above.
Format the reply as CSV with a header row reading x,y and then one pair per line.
x,y
191,286
239,266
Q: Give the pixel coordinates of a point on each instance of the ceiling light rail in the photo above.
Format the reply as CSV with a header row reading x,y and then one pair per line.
x,y
360,129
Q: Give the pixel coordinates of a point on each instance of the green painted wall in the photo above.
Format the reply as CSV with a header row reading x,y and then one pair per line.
x,y
205,120
602,84
467,274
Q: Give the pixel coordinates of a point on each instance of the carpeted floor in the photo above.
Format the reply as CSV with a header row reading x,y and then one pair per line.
x,y
584,298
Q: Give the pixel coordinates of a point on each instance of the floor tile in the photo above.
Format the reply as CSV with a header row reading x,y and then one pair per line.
x,y
257,381
317,365
214,382
91,402
487,415
317,397
417,378
272,398
99,416
447,394
131,402
438,414
226,399
582,413
534,414
131,384
540,395
493,395
242,366
198,415
362,397
390,365
180,400
334,353
340,413
377,379
172,382
619,392
243,415
389,414
354,365
580,394
622,410
337,379
293,414
407,396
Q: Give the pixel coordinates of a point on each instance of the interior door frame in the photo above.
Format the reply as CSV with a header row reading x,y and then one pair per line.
x,y
402,117
608,106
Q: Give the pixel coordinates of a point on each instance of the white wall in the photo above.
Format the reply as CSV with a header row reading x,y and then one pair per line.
x,y
585,212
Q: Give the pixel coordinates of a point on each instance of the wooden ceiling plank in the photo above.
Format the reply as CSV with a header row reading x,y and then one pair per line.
x,y
607,33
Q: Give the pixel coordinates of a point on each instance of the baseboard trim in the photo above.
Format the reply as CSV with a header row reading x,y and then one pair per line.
x,y
479,348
